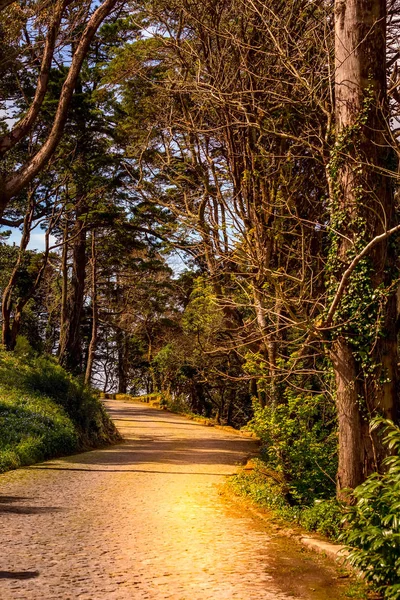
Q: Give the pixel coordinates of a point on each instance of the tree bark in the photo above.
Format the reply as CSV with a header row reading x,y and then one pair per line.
x,y
122,348
20,129
12,312
70,355
364,202
64,281
95,315
8,330
5,3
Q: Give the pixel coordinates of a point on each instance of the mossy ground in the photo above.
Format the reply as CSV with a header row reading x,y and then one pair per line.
x,y
45,412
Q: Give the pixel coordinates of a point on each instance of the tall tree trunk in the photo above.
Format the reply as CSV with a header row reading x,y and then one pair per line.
x,y
122,348
20,179
95,316
269,346
70,355
9,332
364,357
64,282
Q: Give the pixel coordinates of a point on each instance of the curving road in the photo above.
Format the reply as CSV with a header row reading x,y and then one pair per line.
x,y
145,519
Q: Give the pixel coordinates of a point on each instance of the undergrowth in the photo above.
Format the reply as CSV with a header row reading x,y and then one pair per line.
x,y
372,531
295,475
45,412
267,489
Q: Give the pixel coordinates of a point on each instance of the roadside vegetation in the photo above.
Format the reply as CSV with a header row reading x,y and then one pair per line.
x,y
45,412
368,525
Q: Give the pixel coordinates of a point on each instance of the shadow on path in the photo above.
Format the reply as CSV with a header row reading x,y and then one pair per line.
x,y
19,574
94,470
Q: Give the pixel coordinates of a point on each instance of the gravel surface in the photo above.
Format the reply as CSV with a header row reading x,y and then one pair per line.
x,y
146,519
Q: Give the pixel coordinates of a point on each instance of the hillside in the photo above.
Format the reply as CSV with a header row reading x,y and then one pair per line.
x,y
45,412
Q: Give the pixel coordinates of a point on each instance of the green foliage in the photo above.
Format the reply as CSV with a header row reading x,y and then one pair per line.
x,y
373,523
325,517
360,315
299,441
202,315
187,370
44,412
267,489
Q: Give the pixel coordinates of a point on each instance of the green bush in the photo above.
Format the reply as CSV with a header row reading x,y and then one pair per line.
x,y
299,441
32,428
324,517
44,412
267,489
46,377
372,530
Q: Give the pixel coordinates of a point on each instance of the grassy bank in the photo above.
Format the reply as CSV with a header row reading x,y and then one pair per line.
x,y
45,412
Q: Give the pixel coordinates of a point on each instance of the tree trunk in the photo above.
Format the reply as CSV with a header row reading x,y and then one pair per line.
x,y
18,181
122,348
364,354
350,423
64,281
268,347
9,332
93,340
70,355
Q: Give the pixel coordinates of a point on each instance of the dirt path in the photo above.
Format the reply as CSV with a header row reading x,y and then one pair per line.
x,y
145,520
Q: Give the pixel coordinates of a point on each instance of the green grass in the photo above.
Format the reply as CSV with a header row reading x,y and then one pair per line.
x,y
45,412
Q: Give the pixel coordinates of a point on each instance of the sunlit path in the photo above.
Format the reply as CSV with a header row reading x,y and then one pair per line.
x,y
145,520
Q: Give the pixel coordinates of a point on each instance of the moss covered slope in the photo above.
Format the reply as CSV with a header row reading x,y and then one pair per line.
x,y
45,412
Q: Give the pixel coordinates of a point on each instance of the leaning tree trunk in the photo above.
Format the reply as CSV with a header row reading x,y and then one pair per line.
x,y
10,327
364,352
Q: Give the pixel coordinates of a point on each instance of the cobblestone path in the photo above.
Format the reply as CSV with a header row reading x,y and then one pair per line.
x,y
145,520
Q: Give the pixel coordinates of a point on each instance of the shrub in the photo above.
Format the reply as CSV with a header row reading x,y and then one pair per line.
x,y
32,428
372,530
325,517
267,489
45,412
299,441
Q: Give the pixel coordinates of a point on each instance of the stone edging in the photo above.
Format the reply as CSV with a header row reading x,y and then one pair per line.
x,y
336,552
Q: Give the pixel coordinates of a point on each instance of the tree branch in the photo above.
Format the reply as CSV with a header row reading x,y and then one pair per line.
x,y
20,179
346,275
9,140
5,3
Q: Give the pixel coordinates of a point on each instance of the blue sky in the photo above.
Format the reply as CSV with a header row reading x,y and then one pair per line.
x,y
37,238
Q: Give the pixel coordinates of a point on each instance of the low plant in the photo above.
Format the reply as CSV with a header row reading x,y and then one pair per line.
x,y
32,428
266,488
372,524
299,441
45,412
324,517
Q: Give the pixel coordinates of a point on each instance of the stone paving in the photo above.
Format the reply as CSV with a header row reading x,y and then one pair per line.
x,y
145,520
